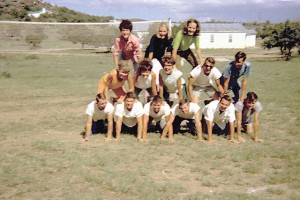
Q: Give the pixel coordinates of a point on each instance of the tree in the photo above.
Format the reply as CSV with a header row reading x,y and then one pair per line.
x,y
284,36
35,36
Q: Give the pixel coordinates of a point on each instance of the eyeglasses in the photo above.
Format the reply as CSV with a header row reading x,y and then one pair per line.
x,y
205,65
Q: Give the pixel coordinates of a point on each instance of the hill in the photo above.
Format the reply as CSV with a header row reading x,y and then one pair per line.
x,y
18,10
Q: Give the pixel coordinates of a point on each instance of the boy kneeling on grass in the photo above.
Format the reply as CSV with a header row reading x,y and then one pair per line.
x,y
99,113
247,113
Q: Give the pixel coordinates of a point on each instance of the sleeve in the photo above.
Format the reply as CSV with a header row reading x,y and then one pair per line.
x,y
258,107
169,45
239,106
139,110
90,109
119,111
137,48
110,109
167,109
175,110
116,49
208,113
232,113
147,109
194,73
151,45
217,74
197,42
226,72
177,41
247,72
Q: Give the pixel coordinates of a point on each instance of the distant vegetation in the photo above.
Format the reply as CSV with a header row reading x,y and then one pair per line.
x,y
15,10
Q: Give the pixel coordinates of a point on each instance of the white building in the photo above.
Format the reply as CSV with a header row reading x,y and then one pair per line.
x,y
226,36
38,13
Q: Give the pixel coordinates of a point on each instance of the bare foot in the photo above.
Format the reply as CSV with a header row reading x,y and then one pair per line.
x,y
107,139
241,139
233,141
258,140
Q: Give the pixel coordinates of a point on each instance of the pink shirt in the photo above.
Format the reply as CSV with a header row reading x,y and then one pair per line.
x,y
130,50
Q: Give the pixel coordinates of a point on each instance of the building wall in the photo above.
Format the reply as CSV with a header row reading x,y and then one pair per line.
x,y
250,40
222,40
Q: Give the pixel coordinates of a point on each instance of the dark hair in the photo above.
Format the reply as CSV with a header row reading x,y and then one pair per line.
x,y
240,55
226,97
183,101
145,65
100,96
130,95
192,20
251,96
125,24
210,59
168,59
156,99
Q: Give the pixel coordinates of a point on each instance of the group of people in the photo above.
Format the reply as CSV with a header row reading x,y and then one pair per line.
x,y
167,100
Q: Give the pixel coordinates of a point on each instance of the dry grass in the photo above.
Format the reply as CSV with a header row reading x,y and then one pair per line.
x,y
42,156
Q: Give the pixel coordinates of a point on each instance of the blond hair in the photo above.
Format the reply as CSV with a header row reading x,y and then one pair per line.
x,y
125,65
163,25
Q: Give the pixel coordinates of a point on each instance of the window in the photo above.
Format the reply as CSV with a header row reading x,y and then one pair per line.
x,y
212,38
230,38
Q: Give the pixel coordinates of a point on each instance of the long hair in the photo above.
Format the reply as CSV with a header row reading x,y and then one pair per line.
x,y
163,25
191,20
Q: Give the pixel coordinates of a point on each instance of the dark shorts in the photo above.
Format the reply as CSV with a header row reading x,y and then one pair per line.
x,y
99,126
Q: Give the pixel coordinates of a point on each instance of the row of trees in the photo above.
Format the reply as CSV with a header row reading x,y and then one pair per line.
x,y
284,36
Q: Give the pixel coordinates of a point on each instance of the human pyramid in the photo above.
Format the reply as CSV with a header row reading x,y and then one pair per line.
x,y
167,99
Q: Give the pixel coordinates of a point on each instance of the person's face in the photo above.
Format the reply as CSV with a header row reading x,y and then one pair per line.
x,y
163,32
122,74
239,63
125,33
129,103
145,74
101,104
184,108
168,67
156,106
207,67
192,27
249,104
224,104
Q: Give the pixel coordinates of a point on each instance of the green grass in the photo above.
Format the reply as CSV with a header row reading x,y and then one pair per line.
x,y
42,156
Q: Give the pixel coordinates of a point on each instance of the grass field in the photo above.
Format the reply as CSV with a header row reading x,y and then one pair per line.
x,y
43,157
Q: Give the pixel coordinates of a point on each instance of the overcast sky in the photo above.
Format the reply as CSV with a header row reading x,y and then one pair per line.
x,y
180,10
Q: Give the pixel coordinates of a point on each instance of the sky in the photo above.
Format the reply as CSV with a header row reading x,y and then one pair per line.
x,y
179,10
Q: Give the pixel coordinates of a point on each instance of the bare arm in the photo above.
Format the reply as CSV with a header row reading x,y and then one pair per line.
x,y
145,127
139,127
150,56
190,89
209,130
238,116
153,84
198,126
130,83
109,126
179,87
118,127
243,88
256,127
226,83
161,87
231,130
219,86
88,128
168,126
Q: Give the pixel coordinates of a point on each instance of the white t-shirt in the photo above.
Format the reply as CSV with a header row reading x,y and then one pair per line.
x,y
211,113
164,111
93,110
170,80
247,113
143,83
201,79
129,117
156,68
194,108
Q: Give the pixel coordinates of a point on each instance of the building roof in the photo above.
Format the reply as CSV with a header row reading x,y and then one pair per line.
x,y
222,27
